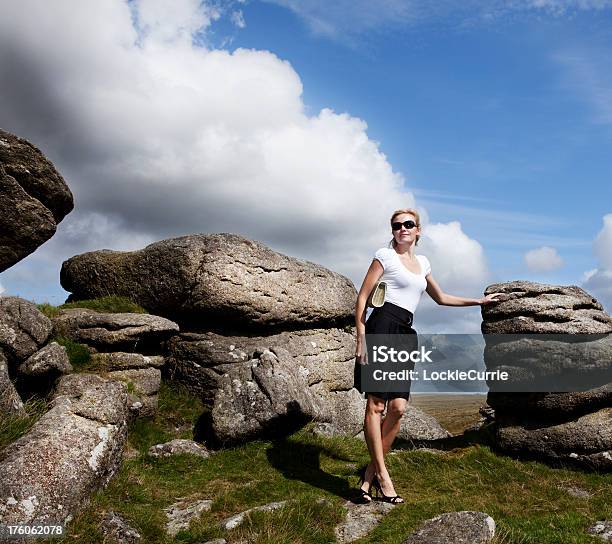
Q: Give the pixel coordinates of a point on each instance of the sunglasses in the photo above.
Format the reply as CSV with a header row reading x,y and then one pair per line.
x,y
408,224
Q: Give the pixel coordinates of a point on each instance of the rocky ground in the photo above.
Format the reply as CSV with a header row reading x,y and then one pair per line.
x,y
305,482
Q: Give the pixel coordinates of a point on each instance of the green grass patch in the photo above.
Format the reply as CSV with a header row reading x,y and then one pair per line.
x,y
176,416
78,354
14,427
109,304
317,475
48,309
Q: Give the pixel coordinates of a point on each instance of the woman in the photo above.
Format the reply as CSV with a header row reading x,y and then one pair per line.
x,y
407,275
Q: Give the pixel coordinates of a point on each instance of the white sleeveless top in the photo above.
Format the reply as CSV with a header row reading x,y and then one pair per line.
x,y
404,288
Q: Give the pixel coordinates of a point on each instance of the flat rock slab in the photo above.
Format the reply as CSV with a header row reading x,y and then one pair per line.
x,y
324,356
115,332
177,447
216,281
361,519
182,513
121,360
550,406
455,528
117,530
538,359
530,307
234,521
601,529
52,359
72,451
586,441
23,328
35,198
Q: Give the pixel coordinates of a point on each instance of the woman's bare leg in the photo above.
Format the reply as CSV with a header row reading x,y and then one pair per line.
x,y
389,428
372,426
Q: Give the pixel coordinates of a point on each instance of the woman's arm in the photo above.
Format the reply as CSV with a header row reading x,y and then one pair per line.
x,y
444,299
373,274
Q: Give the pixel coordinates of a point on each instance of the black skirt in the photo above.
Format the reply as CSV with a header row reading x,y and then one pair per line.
x,y
393,320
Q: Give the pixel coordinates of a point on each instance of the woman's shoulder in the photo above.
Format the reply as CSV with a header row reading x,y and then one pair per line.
x,y
425,261
383,252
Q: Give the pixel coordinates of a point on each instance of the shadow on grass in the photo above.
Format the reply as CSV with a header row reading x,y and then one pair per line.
x,y
302,462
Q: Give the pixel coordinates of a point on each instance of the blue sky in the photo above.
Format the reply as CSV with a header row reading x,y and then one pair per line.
x,y
493,118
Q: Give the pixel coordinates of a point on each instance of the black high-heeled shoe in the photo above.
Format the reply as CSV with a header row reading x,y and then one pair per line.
x,y
395,499
364,496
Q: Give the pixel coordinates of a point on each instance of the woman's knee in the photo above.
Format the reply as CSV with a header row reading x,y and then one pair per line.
x,y
396,408
374,407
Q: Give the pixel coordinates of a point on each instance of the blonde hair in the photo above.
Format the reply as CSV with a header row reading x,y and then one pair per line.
x,y
417,220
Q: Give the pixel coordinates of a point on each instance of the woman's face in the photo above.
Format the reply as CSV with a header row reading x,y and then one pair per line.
x,y
405,235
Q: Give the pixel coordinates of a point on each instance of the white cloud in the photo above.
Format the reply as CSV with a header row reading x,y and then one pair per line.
x,y
543,259
238,18
589,274
158,136
459,266
156,21
603,243
599,281
2,289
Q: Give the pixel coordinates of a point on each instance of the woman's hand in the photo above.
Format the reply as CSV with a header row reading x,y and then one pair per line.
x,y
492,297
361,353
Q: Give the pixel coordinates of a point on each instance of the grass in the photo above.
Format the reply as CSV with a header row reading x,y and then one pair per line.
x,y
108,304
14,427
522,497
78,354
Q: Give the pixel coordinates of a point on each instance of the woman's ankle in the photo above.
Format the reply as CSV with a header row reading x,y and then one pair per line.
x,y
383,475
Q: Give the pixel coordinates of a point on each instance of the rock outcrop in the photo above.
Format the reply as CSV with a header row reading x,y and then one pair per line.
x,y
322,360
237,519
266,395
530,307
10,401
178,446
216,281
108,332
180,514
24,333
126,347
264,338
143,385
464,527
601,529
360,520
35,198
566,426
51,360
23,328
115,529
73,450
